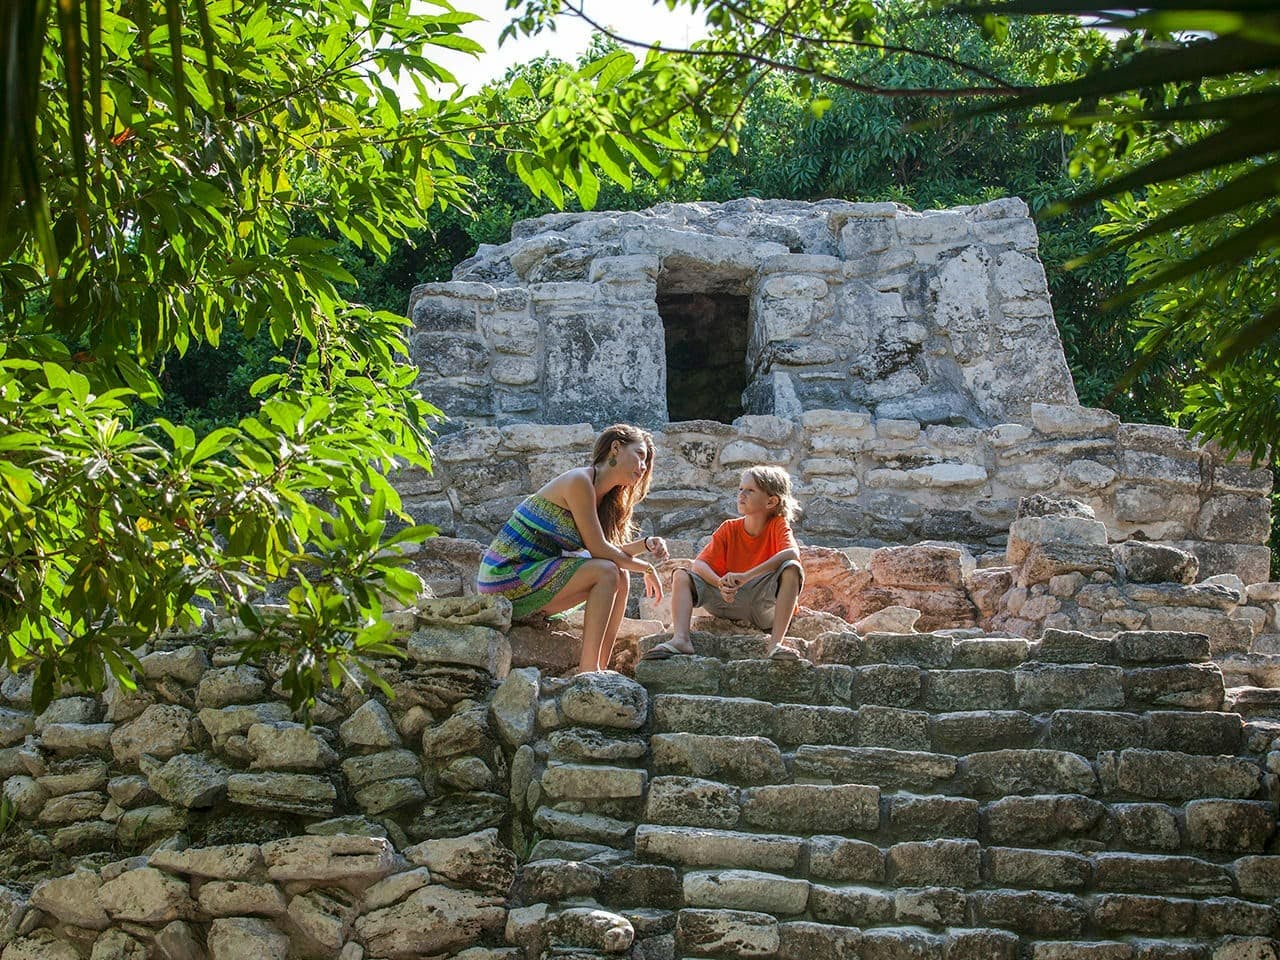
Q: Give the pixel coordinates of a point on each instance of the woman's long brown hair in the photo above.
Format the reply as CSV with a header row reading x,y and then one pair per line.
x,y
618,504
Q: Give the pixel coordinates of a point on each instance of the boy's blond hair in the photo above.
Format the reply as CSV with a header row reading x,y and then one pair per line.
x,y
775,482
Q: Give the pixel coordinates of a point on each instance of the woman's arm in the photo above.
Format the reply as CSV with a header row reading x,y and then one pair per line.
x,y
651,544
580,495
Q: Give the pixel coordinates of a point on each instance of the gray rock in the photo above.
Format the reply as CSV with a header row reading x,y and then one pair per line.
x,y
1156,563
285,792
433,920
514,707
288,746
236,938
477,861
189,780
146,896
160,731
369,727
73,899
186,665
605,700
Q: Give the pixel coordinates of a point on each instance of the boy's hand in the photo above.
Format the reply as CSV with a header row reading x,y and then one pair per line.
x,y
732,581
658,547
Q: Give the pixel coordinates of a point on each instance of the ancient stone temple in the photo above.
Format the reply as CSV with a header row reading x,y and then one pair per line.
x,y
1037,714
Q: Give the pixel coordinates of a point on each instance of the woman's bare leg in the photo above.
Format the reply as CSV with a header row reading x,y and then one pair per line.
x,y
619,610
596,582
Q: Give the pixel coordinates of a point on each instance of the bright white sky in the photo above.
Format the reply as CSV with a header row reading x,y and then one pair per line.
x,y
635,19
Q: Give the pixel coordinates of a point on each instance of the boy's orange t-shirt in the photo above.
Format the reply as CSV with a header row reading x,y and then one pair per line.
x,y
733,550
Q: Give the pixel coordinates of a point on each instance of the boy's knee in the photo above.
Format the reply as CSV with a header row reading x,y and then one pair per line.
x,y
790,575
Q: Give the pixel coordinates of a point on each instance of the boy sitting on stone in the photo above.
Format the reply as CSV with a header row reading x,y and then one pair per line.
x,y
749,572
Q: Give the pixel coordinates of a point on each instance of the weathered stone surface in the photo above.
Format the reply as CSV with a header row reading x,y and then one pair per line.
x,y
324,916
1230,826
466,731
1036,869
235,938
1155,646
186,665
238,898
744,760
1148,873
923,818
1004,772
228,862
700,847
369,727
146,895
845,808
1157,563
41,945
462,644
590,928
328,859
1191,686
690,801
189,780
710,933
514,707
478,861
231,685
852,906
745,890
1088,732
1051,686
1175,776
586,743
384,765
288,746
225,722
69,738
965,731
73,899
433,920
842,859
592,782
1032,912
1040,819
901,768
286,792
161,731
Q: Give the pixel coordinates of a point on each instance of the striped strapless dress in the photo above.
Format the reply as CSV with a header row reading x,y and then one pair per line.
x,y
526,562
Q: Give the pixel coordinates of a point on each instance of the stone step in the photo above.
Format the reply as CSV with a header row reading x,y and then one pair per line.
x,y
1087,732
1254,701
1268,643
1033,686
1053,927
1016,824
1251,670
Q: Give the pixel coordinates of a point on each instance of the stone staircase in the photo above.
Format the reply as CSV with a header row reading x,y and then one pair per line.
x,y
919,796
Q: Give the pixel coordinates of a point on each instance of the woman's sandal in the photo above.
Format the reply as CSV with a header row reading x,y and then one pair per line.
x,y
665,651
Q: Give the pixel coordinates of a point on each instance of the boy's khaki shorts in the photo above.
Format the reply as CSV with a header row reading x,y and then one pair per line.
x,y
754,602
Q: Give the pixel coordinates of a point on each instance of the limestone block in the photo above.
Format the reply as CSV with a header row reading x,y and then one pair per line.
x,y
324,916
924,818
957,690
300,793
553,879
1039,869
1187,686
319,859
854,906
514,707
117,945
590,928
950,863
1087,732
146,896
1031,912
73,899
1229,518
1146,826
141,823
230,685
1157,873
1156,563
234,938
433,920
842,859
478,860
282,745
161,731
965,731
894,727
69,738
843,808
466,731
385,765
1259,877
917,566
1174,776
585,743
188,780
680,713
226,862
237,898
797,723
1073,421
592,782
1004,772
1038,530
1040,820
1230,826
62,710
690,801
72,807
746,760
1088,475
41,945
702,847
879,765
710,933
1043,686
606,700
226,722
468,645
186,665
369,727
1046,561
25,796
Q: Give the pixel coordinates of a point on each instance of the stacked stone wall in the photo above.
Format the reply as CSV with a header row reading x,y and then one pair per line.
x,y
867,481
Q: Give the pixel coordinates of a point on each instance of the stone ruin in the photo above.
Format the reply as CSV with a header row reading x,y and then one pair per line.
x,y
1038,716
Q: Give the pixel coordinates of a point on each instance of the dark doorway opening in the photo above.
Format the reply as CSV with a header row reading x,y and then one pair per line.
x,y
706,336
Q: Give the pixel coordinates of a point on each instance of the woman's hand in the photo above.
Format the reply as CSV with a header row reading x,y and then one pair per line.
x,y
652,583
658,547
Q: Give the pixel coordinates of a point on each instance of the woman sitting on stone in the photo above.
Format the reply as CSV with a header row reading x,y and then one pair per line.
x,y
533,560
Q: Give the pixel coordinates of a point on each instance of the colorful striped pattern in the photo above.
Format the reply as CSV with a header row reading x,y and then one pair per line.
x,y
526,562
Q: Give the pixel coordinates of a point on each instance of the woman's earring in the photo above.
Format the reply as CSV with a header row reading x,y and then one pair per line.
x,y
613,461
